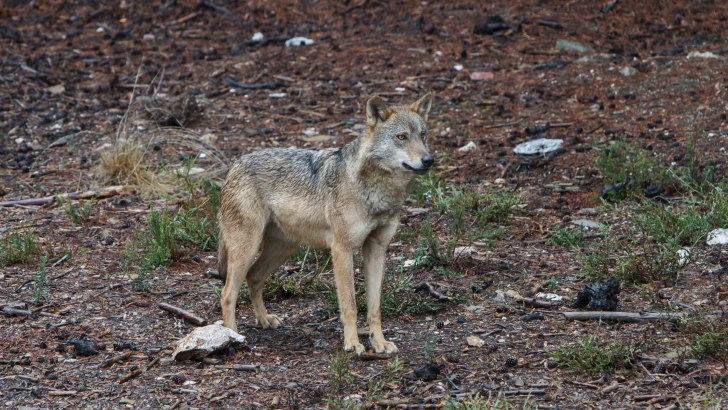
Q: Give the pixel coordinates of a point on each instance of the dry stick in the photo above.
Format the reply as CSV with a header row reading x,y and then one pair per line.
x,y
435,294
246,367
153,362
62,393
98,193
118,358
8,311
189,316
532,392
175,405
134,373
505,124
541,304
621,316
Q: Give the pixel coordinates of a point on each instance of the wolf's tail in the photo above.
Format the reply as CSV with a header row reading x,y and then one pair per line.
x,y
221,258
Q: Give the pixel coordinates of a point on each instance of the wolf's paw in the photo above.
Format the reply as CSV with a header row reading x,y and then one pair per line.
x,y
356,347
384,346
270,322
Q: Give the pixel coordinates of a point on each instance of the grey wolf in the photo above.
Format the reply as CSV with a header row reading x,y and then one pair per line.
x,y
275,200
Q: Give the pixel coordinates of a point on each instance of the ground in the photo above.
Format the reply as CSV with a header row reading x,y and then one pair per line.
x,y
645,120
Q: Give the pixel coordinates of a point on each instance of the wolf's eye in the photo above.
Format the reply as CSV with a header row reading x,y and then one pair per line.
x,y
401,137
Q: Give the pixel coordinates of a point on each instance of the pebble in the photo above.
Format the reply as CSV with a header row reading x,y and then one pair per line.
x,y
628,71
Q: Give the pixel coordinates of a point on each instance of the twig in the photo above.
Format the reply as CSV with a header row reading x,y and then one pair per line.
x,y
354,7
176,404
238,84
551,24
186,18
62,393
114,359
153,362
60,275
216,7
435,294
608,6
98,193
621,316
541,304
505,124
58,262
134,373
8,311
187,315
246,367
591,386
531,392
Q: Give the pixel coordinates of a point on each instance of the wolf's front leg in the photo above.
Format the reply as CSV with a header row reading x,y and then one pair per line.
x,y
375,252
344,276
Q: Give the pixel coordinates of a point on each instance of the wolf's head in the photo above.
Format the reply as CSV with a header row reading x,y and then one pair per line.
x,y
398,135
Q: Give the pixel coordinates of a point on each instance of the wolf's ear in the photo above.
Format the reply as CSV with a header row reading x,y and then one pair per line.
x,y
377,111
422,106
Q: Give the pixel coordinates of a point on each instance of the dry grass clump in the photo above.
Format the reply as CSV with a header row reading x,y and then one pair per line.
x,y
147,156
170,112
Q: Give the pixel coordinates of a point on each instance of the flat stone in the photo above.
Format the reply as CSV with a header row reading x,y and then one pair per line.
x,y
538,146
205,340
566,45
586,223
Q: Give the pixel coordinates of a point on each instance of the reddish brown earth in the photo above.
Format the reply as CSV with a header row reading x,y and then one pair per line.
x,y
100,51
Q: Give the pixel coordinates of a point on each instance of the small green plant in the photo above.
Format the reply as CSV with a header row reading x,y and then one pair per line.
x,y
341,376
477,402
163,243
626,165
568,238
666,224
41,280
594,355
428,351
76,215
707,335
18,248
428,252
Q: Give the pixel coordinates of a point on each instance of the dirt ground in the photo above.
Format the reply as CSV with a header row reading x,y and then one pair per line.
x,y
70,69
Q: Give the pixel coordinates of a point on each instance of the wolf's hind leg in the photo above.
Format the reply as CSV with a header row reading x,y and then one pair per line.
x,y
276,250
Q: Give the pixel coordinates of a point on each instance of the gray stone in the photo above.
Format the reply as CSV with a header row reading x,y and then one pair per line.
x,y
628,71
538,146
566,45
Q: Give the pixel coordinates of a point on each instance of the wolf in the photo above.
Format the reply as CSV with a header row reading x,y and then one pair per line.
x,y
275,200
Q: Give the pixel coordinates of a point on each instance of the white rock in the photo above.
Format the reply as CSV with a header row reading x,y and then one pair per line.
x,y
539,146
299,41
409,263
718,237
463,251
458,67
549,296
683,257
399,89
276,95
310,131
475,341
257,36
148,37
628,71
707,54
205,340
470,146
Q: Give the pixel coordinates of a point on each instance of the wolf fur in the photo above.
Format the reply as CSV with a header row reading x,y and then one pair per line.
x,y
345,198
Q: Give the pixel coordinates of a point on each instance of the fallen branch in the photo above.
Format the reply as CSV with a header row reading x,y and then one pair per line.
x,y
246,367
134,373
62,393
115,359
505,124
216,7
8,311
435,294
96,193
621,316
238,84
532,392
541,304
189,316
